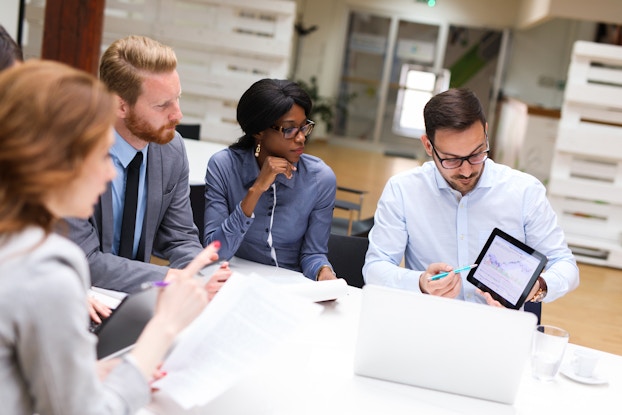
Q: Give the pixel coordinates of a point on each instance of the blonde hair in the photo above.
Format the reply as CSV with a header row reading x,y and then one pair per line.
x,y
51,118
126,60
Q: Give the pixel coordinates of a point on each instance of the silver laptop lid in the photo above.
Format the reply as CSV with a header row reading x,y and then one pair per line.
x,y
443,344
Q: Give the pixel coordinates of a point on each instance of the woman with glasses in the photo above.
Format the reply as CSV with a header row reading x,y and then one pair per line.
x,y
438,216
265,200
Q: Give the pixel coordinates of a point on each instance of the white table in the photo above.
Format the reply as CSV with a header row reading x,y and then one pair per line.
x,y
199,153
313,375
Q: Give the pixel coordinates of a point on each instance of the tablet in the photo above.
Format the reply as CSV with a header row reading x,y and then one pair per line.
x,y
507,269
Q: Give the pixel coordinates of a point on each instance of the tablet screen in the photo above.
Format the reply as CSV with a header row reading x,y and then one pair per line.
x,y
507,269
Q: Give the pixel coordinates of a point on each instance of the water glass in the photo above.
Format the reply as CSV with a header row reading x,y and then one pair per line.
x,y
549,344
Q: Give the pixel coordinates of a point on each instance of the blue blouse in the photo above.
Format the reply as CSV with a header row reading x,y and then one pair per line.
x,y
291,223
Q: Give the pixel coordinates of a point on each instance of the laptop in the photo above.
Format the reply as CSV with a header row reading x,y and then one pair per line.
x,y
443,344
121,329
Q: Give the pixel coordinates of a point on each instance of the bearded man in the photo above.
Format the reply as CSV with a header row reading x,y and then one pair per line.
x,y
151,162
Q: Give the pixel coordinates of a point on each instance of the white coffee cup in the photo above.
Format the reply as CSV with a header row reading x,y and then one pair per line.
x,y
584,362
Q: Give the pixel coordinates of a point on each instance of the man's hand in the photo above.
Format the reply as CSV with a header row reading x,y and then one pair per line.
x,y
97,310
448,286
217,280
489,300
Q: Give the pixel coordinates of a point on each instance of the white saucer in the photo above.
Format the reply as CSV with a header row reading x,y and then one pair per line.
x,y
568,371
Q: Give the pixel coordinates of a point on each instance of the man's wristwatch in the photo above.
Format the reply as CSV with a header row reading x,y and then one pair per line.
x,y
541,293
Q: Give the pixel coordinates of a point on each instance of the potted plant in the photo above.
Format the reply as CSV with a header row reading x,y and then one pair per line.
x,y
324,108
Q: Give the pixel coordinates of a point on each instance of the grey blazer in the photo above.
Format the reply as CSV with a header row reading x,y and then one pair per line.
x,y
168,226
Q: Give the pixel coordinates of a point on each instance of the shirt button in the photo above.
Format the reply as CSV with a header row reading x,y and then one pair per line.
x,y
267,229
269,213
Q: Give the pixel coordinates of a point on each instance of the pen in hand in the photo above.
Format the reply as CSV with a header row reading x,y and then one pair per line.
x,y
456,271
151,284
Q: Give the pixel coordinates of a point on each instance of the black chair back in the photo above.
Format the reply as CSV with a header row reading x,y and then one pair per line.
x,y
347,256
192,131
197,202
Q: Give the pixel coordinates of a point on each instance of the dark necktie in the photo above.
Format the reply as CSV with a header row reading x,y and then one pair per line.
x,y
128,225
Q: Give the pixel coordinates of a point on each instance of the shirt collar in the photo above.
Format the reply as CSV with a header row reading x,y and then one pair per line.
x,y
485,181
123,151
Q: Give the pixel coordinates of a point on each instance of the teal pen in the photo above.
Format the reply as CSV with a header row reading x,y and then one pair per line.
x,y
444,274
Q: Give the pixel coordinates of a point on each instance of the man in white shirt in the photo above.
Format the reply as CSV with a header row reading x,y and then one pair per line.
x,y
438,216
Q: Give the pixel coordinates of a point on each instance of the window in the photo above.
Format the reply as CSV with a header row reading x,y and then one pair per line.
x,y
417,85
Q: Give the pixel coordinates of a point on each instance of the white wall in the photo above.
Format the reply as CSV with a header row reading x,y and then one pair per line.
x,y
539,59
532,12
322,50
9,16
537,55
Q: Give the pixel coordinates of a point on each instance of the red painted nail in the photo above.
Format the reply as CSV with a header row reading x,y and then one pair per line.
x,y
216,244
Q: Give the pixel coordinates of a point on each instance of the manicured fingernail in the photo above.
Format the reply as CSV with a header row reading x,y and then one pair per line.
x,y
216,244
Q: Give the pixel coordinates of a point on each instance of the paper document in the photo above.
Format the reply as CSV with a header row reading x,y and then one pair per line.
x,y
316,291
246,321
108,297
293,281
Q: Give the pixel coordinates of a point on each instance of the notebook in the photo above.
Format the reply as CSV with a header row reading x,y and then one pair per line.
x,y
443,344
122,328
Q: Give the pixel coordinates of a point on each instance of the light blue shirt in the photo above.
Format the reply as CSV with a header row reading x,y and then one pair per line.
x,y
422,219
291,223
122,154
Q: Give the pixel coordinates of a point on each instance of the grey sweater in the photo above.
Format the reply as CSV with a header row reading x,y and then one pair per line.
x,y
47,355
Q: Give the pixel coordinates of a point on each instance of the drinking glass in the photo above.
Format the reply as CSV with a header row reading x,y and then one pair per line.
x,y
549,344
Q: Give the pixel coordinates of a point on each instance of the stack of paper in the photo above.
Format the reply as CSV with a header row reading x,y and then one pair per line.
x,y
245,322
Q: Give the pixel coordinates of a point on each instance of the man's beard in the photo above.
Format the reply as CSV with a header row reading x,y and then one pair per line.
x,y
141,129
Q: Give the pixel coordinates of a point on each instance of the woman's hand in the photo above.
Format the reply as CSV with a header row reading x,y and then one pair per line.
x,y
104,367
326,274
185,297
273,166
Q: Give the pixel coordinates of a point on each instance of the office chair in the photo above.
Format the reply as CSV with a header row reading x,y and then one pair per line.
x,y
347,256
192,131
353,225
197,202
535,308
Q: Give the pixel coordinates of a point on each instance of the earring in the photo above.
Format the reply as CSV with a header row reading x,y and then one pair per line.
x,y
257,149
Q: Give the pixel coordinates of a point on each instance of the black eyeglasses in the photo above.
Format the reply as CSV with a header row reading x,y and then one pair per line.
x,y
291,132
454,163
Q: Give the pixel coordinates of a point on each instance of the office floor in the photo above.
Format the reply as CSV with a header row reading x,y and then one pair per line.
x,y
592,313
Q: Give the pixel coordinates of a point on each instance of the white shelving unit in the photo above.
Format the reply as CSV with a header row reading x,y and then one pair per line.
x,y
222,47
586,173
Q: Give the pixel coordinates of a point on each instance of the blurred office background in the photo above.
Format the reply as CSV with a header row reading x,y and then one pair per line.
x,y
370,63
